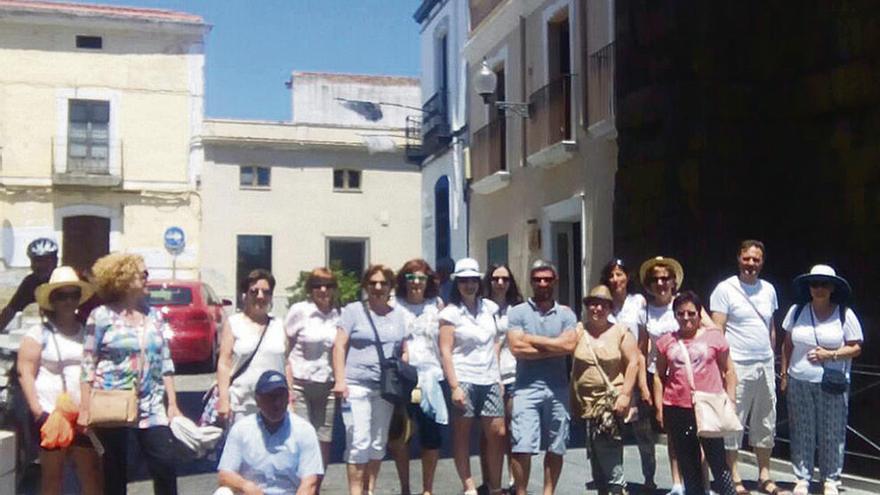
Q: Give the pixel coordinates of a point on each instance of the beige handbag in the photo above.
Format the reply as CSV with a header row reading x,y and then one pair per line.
x,y
714,411
117,408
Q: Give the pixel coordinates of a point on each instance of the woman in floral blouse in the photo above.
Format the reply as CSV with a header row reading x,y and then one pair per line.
x,y
112,360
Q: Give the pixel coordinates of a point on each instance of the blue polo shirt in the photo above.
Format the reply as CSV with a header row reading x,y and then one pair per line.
x,y
274,461
548,371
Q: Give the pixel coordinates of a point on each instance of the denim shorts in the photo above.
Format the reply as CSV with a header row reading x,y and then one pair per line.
x,y
540,410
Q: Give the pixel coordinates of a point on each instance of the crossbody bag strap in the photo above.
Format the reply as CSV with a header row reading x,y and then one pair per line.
x,y
746,297
244,364
587,337
816,335
377,342
687,365
58,353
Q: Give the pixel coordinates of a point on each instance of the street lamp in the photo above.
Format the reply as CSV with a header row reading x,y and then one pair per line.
x,y
485,83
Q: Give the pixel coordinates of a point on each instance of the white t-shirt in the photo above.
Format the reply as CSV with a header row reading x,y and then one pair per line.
x,y
312,334
633,306
507,361
270,356
51,373
746,332
473,350
657,320
422,330
829,333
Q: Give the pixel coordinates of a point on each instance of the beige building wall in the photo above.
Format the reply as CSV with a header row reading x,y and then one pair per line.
x,y
150,70
537,200
300,209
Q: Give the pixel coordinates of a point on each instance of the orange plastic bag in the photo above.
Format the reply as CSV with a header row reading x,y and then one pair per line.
x,y
57,432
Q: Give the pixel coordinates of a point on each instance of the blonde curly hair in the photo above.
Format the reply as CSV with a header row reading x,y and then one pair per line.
x,y
115,273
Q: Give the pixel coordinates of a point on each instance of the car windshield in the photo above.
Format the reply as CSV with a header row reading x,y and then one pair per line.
x,y
169,296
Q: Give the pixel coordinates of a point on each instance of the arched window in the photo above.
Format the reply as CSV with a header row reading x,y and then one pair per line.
x,y
441,218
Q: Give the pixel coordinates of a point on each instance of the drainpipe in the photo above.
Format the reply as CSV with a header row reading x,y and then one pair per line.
x,y
584,265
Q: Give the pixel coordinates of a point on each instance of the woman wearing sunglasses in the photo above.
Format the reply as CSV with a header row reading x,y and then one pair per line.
x,y
252,341
311,329
707,352
822,336
416,292
49,364
469,353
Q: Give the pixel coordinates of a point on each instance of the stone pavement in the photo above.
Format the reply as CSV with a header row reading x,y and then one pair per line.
x,y
575,474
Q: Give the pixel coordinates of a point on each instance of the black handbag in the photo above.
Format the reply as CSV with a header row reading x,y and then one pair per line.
x,y
397,378
834,381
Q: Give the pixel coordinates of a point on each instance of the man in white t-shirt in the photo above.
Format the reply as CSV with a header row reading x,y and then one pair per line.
x,y
743,306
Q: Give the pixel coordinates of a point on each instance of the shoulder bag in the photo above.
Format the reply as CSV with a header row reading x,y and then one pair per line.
x,y
396,378
715,413
209,415
834,381
606,422
116,408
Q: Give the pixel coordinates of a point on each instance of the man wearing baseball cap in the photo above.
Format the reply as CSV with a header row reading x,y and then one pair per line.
x,y
272,451
43,253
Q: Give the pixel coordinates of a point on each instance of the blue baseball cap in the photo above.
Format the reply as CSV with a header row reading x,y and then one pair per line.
x,y
270,381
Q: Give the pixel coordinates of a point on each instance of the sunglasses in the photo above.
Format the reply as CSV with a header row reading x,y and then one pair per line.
x,y
685,314
383,283
324,285
257,290
664,279
545,280
501,280
468,280
61,295
818,284
412,277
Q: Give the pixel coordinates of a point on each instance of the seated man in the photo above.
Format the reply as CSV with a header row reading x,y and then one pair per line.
x,y
272,451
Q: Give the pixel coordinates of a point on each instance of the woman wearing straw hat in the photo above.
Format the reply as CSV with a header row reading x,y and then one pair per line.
x,y
822,337
49,364
603,374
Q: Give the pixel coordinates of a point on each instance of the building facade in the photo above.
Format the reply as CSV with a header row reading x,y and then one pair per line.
x,y
441,131
100,113
543,149
331,186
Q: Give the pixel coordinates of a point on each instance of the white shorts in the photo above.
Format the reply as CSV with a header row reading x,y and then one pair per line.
x,y
756,402
366,427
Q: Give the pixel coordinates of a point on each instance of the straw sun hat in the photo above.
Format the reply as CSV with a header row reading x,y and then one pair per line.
x,y
63,276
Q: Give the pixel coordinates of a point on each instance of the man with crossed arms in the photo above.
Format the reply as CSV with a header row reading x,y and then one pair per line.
x,y
743,306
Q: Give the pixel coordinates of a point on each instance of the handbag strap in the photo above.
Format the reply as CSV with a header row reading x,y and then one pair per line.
x,y
58,353
816,335
746,297
586,336
687,365
244,364
377,342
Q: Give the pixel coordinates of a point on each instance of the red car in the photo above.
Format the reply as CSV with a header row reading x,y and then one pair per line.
x,y
195,315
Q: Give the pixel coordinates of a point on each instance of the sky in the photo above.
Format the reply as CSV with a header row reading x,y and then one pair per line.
x,y
254,45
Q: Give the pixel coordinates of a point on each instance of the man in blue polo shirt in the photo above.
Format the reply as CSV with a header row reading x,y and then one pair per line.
x,y
272,451
542,334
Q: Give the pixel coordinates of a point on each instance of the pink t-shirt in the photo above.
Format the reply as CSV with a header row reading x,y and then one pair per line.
x,y
704,351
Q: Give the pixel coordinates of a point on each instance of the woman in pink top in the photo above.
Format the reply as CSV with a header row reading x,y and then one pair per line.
x,y
707,351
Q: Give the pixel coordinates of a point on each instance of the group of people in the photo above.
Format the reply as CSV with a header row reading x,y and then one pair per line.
x,y
520,368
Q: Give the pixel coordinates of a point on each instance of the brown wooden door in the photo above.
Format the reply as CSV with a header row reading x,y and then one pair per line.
x,y
85,238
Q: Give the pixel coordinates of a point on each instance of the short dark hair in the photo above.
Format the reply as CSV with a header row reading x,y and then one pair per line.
x,y
605,277
513,296
750,243
687,296
255,276
412,266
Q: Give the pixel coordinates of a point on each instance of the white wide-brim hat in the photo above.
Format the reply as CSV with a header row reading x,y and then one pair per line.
x,y
467,268
63,276
822,273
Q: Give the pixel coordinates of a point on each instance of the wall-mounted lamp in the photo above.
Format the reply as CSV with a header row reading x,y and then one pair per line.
x,y
485,83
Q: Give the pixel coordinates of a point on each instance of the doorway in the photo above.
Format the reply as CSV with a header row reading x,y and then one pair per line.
x,y
567,254
85,238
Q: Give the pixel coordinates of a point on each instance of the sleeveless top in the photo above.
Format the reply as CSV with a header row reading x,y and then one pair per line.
x,y
587,382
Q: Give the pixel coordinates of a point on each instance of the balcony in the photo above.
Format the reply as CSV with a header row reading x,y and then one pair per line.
x,y
550,138
600,93
480,9
413,140
488,157
91,165
435,123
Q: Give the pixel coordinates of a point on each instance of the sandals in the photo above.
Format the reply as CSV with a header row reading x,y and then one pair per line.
x,y
740,488
769,487
802,487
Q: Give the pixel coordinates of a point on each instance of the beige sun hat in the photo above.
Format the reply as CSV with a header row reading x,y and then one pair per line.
x,y
599,293
661,260
63,276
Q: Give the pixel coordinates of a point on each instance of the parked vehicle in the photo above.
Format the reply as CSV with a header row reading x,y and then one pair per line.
x,y
195,314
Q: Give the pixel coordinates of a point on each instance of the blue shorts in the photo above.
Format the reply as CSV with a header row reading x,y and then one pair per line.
x,y
539,410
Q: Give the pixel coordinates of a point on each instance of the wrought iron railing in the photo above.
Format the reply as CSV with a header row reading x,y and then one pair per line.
x,y
488,153
413,139
600,85
550,120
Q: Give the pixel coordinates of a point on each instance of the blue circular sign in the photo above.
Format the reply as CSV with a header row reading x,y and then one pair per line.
x,y
175,240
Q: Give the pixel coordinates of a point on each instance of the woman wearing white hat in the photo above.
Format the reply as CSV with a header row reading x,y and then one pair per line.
x,y
49,363
822,337
469,354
